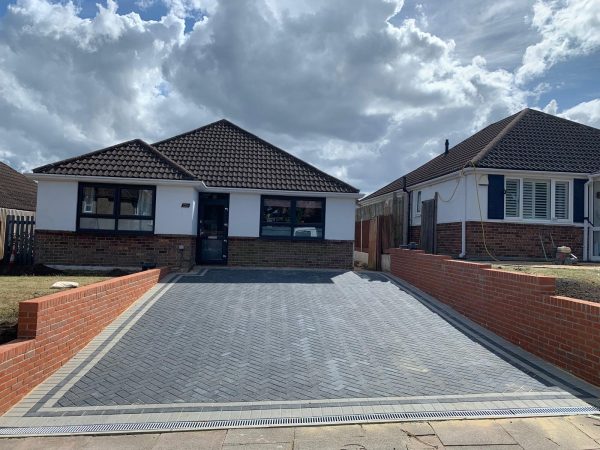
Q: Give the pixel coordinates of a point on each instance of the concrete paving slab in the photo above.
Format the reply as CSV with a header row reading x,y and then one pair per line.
x,y
44,443
590,425
417,428
472,432
193,440
352,443
547,432
329,432
528,434
259,436
424,443
287,446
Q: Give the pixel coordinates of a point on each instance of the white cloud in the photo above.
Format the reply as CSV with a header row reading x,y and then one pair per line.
x,y
334,82
585,112
568,28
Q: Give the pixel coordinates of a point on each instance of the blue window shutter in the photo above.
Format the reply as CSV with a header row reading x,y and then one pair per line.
x,y
578,199
495,196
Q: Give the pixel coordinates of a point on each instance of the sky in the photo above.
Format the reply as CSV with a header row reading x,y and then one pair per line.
x,y
366,90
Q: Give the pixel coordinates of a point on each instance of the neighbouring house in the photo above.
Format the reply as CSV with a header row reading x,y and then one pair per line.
x,y
217,194
516,189
17,198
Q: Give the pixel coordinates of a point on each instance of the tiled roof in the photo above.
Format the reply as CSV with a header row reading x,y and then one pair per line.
x,y
219,154
131,159
528,140
223,155
16,190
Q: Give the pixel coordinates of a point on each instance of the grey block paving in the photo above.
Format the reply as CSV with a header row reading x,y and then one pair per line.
x,y
283,335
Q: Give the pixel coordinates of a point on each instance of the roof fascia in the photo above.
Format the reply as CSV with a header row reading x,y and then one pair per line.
x,y
218,189
114,180
379,198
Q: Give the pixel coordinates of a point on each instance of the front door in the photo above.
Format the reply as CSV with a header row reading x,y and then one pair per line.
x,y
213,217
596,221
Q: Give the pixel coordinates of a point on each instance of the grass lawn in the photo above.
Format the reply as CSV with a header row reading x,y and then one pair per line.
x,y
581,281
13,289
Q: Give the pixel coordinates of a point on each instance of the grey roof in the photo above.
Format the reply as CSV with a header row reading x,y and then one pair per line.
x,y
220,154
528,140
16,190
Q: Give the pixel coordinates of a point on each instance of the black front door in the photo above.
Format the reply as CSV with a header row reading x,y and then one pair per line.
x,y
213,216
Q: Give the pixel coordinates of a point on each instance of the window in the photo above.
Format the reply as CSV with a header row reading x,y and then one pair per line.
x,y
127,209
561,200
513,198
536,199
418,202
295,218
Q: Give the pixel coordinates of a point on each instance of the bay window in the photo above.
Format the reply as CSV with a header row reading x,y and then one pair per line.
x,y
292,217
116,208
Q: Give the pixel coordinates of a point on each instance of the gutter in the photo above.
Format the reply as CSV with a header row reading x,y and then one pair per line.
x,y
198,185
205,188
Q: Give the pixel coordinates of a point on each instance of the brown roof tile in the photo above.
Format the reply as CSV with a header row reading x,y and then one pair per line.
x,y
16,190
220,154
131,159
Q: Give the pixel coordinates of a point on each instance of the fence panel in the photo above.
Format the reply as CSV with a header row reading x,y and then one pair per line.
x,y
19,238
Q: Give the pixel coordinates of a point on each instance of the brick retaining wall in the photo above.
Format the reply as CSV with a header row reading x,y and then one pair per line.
x,y
70,248
504,239
521,308
520,240
55,327
323,254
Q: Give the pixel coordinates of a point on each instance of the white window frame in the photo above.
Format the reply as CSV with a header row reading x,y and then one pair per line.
x,y
418,204
552,181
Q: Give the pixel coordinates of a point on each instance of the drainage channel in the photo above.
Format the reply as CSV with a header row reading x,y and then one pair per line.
x,y
292,421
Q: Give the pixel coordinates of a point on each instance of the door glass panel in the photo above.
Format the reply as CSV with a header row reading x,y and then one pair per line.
x,y
212,249
212,220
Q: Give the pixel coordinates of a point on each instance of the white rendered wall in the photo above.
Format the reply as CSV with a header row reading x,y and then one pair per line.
x,y
451,208
56,205
170,217
244,215
339,218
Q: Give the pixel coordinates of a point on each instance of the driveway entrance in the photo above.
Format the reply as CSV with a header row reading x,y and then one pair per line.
x,y
282,345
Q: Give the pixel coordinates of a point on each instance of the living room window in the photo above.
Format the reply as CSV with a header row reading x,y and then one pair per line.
x,y
531,199
116,208
536,199
292,217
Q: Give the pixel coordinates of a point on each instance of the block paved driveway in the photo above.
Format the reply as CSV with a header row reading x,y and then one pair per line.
x,y
279,343
249,335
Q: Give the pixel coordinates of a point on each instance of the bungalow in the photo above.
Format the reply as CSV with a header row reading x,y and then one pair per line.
x,y
17,198
516,189
214,195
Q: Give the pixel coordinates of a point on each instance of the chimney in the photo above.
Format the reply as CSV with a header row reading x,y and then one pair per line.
x,y
447,145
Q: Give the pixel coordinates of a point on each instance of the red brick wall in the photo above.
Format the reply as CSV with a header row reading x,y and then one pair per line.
x,y
449,238
517,240
325,254
504,239
54,327
414,234
69,248
519,307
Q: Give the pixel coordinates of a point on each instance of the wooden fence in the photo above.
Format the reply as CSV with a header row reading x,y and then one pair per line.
x,y
19,239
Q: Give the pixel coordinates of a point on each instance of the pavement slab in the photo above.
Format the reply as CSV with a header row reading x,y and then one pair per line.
x,y
472,432
548,432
